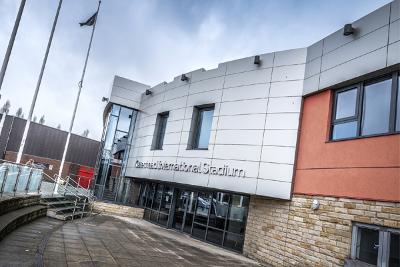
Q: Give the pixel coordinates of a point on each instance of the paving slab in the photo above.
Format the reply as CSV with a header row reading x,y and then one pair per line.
x,y
109,241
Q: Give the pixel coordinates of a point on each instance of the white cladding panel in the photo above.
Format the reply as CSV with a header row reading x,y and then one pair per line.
x,y
126,92
338,58
252,104
257,108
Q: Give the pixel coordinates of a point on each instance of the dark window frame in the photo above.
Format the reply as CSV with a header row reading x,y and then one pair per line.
x,y
359,114
383,246
160,131
194,136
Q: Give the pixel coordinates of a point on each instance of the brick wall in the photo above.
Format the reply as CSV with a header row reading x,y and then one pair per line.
x,y
12,156
120,210
289,233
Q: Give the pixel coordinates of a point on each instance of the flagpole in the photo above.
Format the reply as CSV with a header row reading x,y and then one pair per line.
x,y
28,120
80,85
11,42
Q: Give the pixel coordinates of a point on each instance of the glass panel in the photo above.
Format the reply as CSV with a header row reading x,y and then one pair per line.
x,y
346,104
161,131
199,231
150,195
125,118
115,110
35,181
12,174
394,257
179,210
219,209
157,197
237,214
398,105
367,245
143,196
166,199
233,241
214,236
376,108
190,207
153,216
204,129
344,130
163,219
112,125
147,213
23,178
203,206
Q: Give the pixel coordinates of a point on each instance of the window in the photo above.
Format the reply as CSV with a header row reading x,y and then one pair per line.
x,y
367,109
201,127
378,246
159,133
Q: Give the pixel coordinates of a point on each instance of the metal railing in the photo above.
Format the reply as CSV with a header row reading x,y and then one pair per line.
x,y
73,185
19,178
82,197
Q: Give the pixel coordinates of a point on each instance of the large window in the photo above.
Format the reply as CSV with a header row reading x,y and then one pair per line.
x,y
216,217
367,109
375,245
159,133
201,127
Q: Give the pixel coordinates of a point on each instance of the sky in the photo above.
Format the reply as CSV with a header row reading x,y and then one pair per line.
x,y
150,42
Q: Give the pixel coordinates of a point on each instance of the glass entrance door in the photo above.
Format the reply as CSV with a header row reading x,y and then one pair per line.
x,y
184,210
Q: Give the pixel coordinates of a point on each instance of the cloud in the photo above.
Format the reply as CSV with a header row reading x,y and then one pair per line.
x,y
150,42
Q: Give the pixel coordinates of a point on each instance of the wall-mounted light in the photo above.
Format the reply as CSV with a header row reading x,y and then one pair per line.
x,y
184,77
257,60
104,99
348,30
148,92
315,204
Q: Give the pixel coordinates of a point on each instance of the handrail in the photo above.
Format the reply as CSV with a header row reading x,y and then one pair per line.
x,y
65,188
68,180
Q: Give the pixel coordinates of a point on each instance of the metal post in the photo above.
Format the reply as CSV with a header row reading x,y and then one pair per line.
x,y
80,85
11,42
4,181
40,184
83,209
28,120
28,182
16,180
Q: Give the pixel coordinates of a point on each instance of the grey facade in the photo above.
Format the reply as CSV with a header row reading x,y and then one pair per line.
x,y
47,142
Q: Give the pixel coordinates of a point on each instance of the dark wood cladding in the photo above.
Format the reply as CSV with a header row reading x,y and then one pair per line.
x,y
47,142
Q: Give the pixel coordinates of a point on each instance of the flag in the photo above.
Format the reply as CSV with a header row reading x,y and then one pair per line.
x,y
90,21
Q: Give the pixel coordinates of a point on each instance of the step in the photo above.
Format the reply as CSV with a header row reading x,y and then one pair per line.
x,y
16,218
66,216
55,203
65,208
9,202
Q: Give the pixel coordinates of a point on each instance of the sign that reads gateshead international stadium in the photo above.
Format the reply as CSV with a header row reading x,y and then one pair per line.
x,y
203,168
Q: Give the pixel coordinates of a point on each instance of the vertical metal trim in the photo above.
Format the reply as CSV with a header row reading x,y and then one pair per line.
x,y
393,103
360,105
353,251
385,249
380,249
195,210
